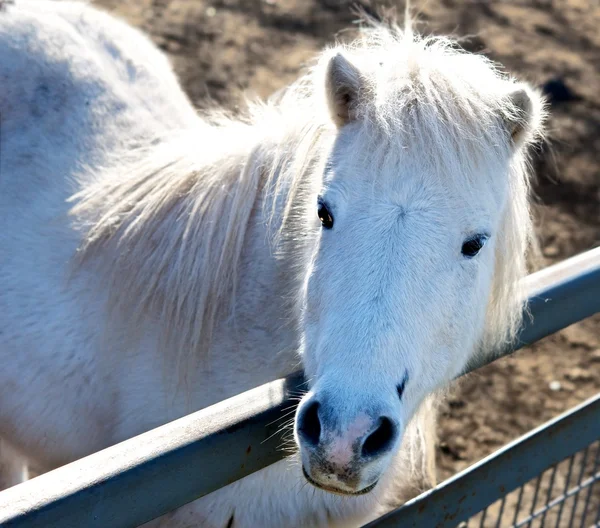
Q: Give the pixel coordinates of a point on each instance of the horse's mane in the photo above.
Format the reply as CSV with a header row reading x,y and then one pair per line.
x,y
173,221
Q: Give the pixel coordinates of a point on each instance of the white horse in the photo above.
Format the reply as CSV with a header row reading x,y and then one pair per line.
x,y
372,220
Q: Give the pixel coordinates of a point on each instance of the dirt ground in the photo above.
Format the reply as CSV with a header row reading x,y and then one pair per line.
x,y
223,47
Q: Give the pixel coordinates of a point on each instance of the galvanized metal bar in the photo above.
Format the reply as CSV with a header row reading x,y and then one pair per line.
x,y
549,493
559,296
535,496
483,516
562,504
474,489
124,485
499,518
579,481
518,506
589,493
562,499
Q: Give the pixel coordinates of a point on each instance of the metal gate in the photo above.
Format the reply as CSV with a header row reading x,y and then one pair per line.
x,y
545,478
545,501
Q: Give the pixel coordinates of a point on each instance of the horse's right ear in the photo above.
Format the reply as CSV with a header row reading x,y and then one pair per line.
x,y
343,83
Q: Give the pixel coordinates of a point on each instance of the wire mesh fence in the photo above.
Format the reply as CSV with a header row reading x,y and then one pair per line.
x,y
548,478
567,495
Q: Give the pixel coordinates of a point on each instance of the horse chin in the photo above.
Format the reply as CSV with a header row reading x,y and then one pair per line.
x,y
336,491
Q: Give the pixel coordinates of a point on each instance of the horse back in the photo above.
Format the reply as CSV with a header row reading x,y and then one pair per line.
x,y
78,87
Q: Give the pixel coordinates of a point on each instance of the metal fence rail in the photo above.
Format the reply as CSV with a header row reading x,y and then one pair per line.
x,y
574,505
469,494
123,486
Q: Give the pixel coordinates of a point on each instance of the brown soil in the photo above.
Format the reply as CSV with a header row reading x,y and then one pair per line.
x,y
221,47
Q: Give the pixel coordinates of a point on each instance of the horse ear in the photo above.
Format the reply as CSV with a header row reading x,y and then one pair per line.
x,y
343,84
524,121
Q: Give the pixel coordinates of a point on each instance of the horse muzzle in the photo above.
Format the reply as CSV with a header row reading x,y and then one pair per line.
x,y
344,452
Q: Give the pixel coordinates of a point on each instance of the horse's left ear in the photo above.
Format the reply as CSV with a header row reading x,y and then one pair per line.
x,y
525,116
343,83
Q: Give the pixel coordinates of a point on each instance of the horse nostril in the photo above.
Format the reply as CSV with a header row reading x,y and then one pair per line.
x,y
379,440
309,425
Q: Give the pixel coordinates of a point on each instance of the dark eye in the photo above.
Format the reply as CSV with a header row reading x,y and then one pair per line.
x,y
473,245
325,215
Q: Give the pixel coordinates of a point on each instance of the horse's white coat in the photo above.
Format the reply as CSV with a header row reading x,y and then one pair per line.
x,y
115,316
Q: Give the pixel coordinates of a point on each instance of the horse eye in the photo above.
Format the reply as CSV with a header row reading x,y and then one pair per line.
x,y
472,246
325,215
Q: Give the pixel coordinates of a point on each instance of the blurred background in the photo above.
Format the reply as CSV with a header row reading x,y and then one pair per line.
x,y
221,49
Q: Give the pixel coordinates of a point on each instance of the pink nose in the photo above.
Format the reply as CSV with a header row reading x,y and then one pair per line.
x,y
364,437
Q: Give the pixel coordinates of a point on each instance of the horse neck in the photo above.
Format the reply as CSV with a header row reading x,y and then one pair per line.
x,y
185,243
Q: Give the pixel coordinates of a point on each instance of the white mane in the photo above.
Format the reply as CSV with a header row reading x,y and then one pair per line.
x,y
181,209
